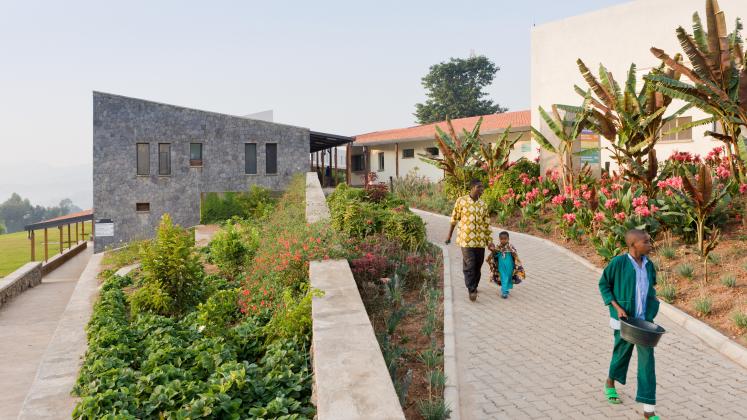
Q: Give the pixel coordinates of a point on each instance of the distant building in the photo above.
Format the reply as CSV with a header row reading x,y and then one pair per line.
x,y
151,158
616,37
394,153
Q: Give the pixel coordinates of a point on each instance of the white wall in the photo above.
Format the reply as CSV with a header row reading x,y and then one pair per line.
x,y
616,37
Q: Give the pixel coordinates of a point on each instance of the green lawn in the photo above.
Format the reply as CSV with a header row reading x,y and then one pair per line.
x,y
15,248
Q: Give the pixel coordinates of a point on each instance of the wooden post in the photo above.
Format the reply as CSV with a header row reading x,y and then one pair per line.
x,y
77,237
317,162
33,246
348,160
61,241
396,160
68,237
335,178
324,168
83,230
46,246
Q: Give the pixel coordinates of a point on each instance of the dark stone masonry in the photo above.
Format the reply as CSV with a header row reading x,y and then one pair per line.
x,y
135,203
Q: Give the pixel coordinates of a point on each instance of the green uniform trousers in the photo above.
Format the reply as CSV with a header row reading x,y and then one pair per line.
x,y
621,353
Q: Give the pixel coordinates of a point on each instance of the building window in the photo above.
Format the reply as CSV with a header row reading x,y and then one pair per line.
x,y
432,151
142,207
526,147
271,158
250,158
684,135
408,153
195,154
381,161
164,159
143,159
356,163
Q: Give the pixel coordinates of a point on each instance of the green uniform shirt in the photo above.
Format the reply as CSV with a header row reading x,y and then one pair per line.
x,y
618,283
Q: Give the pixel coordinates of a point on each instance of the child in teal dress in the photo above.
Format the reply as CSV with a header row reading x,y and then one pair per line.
x,y
505,264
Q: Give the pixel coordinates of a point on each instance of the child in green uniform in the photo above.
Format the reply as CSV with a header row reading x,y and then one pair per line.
x,y
627,288
505,264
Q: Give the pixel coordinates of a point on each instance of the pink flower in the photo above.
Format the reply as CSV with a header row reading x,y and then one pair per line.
x,y
653,209
662,184
669,193
620,216
577,204
722,172
604,191
743,189
570,218
611,203
599,216
640,201
616,187
545,191
558,200
587,195
642,211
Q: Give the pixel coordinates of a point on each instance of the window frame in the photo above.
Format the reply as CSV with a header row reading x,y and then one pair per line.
x,y
168,161
195,163
267,158
142,207
428,150
381,160
362,166
675,137
146,162
408,150
246,161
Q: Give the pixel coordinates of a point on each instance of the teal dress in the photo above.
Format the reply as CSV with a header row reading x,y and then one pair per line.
x,y
505,263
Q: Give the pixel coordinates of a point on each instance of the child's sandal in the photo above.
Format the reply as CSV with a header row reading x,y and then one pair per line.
x,y
612,396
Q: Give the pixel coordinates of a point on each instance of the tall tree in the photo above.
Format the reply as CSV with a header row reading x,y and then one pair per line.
x,y
454,90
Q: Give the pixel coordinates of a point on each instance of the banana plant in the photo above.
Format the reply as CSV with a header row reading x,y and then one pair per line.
x,y
495,155
718,75
567,130
630,119
700,197
458,153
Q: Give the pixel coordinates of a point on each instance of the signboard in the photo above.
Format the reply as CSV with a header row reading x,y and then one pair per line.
x,y
103,228
589,140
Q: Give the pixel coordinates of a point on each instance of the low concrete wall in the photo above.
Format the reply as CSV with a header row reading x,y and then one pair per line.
x,y
351,380
60,259
17,282
316,204
49,396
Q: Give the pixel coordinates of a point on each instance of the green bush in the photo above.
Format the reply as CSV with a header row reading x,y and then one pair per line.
x,y
253,204
219,312
703,305
668,292
668,252
740,319
172,272
228,251
729,280
685,270
404,226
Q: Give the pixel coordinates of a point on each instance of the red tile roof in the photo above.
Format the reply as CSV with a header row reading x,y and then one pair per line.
x,y
490,124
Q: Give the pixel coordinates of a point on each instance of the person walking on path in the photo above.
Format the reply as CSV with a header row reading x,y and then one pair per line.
x,y
505,264
471,213
627,288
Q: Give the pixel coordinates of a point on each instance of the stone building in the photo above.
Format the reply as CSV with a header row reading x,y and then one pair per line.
x,y
151,158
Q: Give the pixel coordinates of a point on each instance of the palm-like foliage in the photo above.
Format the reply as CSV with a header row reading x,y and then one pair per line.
x,y
718,76
495,155
457,154
566,129
630,119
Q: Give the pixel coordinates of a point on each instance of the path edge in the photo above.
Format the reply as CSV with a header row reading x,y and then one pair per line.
x,y
709,335
451,390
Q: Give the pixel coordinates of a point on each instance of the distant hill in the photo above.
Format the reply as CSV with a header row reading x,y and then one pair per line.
x,y
46,185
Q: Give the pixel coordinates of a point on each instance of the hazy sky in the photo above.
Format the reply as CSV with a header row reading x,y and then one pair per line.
x,y
345,67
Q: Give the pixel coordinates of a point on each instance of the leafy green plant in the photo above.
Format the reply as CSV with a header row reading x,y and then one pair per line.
x,y
714,259
703,305
685,270
740,319
172,272
402,225
219,312
434,410
608,246
667,291
729,280
228,251
256,203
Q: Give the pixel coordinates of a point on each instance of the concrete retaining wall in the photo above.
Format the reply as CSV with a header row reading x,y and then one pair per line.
x,y
60,259
351,380
17,282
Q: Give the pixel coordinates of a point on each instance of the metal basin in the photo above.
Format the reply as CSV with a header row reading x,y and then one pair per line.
x,y
640,332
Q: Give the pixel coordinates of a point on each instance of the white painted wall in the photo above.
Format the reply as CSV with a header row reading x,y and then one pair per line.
x,y
616,37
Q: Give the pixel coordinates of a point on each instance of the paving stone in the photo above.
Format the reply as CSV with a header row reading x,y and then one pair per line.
x,y
519,352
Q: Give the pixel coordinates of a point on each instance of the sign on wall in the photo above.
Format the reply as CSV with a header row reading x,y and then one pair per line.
x,y
103,228
589,140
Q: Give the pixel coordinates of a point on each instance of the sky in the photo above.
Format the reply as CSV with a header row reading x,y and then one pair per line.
x,y
344,67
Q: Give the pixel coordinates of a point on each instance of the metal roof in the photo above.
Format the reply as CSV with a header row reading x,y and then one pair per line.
x,y
321,141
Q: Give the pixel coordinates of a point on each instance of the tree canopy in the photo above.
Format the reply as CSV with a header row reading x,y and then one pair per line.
x,y
16,212
454,90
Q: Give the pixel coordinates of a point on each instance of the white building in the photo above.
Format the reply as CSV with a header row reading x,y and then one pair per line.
x,y
616,37
395,153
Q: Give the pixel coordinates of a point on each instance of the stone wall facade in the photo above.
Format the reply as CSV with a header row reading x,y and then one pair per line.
x,y
119,123
15,283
